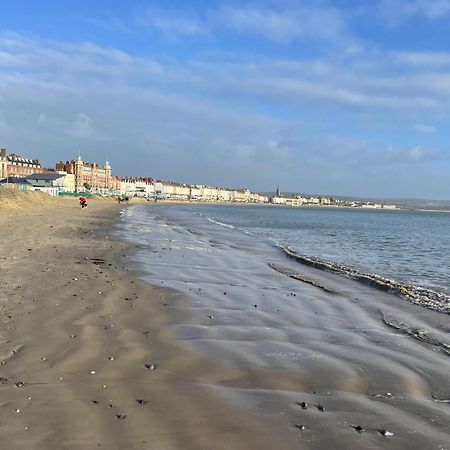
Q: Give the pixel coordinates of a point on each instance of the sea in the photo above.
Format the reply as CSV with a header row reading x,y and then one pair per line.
x,y
411,247
344,308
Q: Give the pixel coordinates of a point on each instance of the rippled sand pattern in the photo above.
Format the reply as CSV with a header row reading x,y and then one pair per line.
x,y
273,333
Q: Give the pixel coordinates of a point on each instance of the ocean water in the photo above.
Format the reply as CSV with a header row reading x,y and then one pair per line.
x,y
411,247
270,331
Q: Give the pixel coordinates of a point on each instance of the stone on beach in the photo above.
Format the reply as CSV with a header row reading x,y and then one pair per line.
x,y
386,433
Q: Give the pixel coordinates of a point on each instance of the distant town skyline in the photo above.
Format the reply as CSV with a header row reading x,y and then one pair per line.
x,y
338,98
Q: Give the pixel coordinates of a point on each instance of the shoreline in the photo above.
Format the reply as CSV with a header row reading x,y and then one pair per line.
x,y
78,329
437,300
274,340
221,373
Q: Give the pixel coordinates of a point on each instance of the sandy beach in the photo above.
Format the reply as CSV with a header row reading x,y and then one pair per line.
x,y
86,359
92,356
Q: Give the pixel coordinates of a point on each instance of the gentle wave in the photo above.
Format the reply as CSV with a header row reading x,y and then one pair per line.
x,y
429,298
436,301
222,224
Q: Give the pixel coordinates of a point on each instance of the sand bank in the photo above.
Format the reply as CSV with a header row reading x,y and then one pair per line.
x,y
16,199
87,357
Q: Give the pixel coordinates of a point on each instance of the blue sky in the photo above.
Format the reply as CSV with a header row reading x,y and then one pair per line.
x,y
347,97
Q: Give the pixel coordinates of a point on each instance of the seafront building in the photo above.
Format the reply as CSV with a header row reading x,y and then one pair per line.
x,y
12,165
3,165
68,181
77,176
91,177
51,183
172,190
280,199
136,187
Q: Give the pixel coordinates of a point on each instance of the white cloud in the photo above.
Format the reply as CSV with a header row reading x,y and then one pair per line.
x,y
415,153
82,126
172,23
421,128
425,59
281,21
284,24
397,11
432,9
231,112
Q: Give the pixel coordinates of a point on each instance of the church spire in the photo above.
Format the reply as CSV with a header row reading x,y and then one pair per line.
x,y
278,191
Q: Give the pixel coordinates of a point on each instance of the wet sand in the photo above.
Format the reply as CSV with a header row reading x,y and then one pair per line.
x,y
88,356
274,333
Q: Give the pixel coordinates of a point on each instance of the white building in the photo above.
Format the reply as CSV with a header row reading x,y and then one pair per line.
x,y
51,183
136,187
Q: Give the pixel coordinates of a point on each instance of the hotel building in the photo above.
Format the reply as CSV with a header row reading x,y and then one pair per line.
x,y
90,176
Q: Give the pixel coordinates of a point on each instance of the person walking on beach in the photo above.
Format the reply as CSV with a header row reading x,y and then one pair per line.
x,y
83,202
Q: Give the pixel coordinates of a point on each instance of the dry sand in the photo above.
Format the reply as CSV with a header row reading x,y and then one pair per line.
x,y
16,199
76,333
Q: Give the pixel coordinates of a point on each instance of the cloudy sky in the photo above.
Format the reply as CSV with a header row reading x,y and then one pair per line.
x,y
325,96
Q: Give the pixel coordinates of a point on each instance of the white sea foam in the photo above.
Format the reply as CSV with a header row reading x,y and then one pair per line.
x,y
222,224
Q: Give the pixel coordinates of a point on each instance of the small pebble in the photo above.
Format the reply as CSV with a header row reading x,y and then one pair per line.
x,y
304,405
386,433
358,428
300,426
92,372
320,408
121,416
141,402
150,366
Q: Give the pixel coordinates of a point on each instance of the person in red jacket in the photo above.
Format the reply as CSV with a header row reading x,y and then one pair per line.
x,y
83,202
